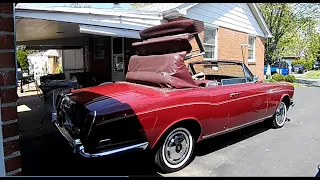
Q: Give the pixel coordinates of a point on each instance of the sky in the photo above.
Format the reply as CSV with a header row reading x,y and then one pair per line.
x,y
94,5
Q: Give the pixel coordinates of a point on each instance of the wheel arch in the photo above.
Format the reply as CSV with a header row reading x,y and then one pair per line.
x,y
191,124
286,99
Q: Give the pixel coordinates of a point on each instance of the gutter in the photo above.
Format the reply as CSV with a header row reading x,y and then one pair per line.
x,y
154,16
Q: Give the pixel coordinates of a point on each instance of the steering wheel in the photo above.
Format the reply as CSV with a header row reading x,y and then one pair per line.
x,y
199,76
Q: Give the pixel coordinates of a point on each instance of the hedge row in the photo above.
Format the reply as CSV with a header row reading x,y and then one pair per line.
x,y
279,77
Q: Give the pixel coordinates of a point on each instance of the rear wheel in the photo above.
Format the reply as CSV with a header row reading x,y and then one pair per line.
x,y
280,116
176,150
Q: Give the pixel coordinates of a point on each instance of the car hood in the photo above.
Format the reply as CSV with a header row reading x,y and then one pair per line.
x,y
113,95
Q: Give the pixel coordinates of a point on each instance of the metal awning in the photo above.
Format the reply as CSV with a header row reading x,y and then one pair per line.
x,y
108,31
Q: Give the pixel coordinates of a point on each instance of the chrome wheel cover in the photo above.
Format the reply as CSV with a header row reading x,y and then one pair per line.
x,y
281,114
177,148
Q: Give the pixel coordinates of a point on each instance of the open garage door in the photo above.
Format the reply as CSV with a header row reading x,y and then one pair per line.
x,y
72,61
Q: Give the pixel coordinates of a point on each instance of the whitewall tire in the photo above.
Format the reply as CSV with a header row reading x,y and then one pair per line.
x,y
176,150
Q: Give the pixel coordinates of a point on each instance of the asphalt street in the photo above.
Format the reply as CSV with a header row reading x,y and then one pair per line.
x,y
293,150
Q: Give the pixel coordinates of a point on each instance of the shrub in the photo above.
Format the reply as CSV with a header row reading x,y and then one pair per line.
x,y
278,77
308,65
290,78
298,61
59,69
272,81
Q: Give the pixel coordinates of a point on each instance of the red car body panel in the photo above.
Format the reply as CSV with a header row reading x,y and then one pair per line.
x,y
212,107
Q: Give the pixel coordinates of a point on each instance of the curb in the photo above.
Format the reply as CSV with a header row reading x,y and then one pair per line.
x,y
315,83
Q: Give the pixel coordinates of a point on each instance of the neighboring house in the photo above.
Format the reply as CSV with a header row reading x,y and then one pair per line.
x,y
46,62
228,31
289,60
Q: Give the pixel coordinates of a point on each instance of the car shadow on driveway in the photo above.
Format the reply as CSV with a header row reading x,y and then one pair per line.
x,y
51,155
215,143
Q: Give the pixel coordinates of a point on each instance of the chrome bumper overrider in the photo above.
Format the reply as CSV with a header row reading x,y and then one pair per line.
x,y
78,147
292,103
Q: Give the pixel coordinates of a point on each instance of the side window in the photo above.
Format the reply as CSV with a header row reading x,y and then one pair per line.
x,y
248,75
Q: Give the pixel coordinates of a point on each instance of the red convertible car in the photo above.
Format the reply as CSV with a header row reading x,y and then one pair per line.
x,y
165,106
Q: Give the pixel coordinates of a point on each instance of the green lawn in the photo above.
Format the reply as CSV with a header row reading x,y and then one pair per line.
x,y
312,75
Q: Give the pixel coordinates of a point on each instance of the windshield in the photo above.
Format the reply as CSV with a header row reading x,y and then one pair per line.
x,y
221,69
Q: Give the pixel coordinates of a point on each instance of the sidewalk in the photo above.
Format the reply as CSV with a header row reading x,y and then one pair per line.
x,y
311,82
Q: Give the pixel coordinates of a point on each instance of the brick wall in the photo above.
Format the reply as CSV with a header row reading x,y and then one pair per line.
x,y
229,48
258,67
8,91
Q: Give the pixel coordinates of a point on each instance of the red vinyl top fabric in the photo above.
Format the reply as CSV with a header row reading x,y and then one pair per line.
x,y
166,70
164,45
168,29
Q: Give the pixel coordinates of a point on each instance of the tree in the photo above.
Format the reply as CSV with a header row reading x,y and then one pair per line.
x,y
139,5
292,26
22,55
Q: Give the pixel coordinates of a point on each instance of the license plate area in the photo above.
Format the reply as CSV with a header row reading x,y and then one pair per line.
x,y
70,127
68,123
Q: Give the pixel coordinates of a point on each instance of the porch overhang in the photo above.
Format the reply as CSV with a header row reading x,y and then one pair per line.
x,y
108,31
44,24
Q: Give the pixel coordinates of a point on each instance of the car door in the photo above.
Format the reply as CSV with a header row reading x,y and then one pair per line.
x,y
247,101
217,120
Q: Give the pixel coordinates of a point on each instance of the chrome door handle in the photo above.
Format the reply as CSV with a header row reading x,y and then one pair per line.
x,y
232,95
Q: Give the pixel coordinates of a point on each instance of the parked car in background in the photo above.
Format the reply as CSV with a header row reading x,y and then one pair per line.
x,y
299,69
316,65
276,68
166,107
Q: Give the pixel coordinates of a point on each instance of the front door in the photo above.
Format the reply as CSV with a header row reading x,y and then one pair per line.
x,y
117,59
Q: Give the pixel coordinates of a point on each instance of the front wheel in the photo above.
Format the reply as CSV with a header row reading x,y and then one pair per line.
x,y
176,151
280,116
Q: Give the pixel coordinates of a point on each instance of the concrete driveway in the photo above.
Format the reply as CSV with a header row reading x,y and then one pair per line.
x,y
254,151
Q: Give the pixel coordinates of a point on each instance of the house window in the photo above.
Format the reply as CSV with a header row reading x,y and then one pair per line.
x,y
209,43
251,48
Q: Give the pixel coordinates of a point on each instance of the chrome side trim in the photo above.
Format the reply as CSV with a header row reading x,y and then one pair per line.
x,y
236,128
141,146
78,147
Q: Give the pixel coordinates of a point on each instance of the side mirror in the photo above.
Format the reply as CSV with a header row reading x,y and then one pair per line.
x,y
255,78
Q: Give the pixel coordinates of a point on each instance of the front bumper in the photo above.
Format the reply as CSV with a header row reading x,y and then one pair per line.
x,y
78,147
292,103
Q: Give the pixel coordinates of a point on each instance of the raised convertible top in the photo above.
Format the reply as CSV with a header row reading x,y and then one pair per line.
x,y
160,59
